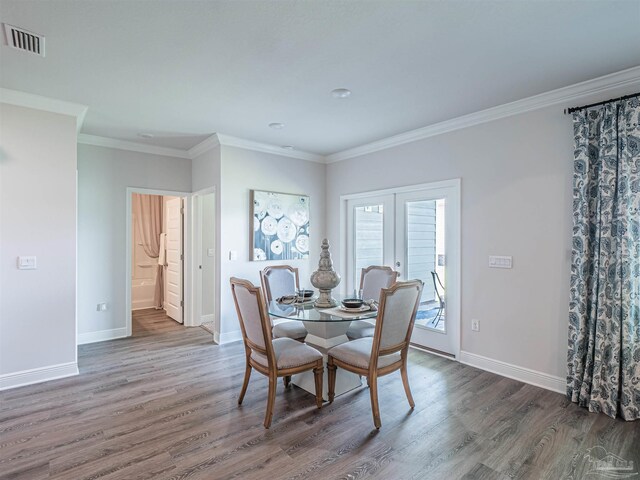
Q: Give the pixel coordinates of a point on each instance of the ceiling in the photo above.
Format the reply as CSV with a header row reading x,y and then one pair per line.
x,y
183,70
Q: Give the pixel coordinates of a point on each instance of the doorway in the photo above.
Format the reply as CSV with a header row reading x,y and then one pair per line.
x,y
155,260
416,230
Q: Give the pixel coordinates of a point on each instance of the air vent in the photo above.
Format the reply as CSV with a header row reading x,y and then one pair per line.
x,y
24,40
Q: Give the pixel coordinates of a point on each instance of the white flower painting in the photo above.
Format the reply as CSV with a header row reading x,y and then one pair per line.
x,y
280,224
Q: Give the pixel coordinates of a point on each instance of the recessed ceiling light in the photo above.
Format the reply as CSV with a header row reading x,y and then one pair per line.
x,y
145,135
287,147
341,93
276,125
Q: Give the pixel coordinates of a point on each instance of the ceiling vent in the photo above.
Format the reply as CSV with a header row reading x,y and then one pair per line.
x,y
24,40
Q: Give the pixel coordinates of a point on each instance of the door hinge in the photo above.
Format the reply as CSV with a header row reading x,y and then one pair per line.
x,y
181,210
181,256
182,303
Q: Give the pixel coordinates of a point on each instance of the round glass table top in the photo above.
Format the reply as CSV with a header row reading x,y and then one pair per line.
x,y
307,312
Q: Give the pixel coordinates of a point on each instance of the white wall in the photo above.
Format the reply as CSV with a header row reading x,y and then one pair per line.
x,y
103,177
37,217
516,200
245,170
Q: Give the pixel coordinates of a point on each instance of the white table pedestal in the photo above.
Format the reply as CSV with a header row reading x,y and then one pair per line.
x,y
323,336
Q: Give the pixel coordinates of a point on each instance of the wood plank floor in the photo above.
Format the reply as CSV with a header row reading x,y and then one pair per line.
x,y
162,405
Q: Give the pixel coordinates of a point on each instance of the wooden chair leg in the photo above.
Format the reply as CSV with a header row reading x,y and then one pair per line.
x,y
405,382
375,408
318,372
332,378
247,374
273,381
286,380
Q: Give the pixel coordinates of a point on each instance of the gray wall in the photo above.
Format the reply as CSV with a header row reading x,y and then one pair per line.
x,y
37,217
245,170
516,200
103,177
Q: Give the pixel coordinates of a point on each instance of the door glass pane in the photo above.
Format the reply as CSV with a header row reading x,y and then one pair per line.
x,y
425,258
368,238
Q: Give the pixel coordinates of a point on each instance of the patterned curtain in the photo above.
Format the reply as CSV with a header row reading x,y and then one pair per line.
x,y
604,317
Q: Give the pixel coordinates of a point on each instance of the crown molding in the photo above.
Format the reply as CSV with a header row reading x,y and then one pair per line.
x,y
230,141
131,146
204,146
210,142
568,94
38,102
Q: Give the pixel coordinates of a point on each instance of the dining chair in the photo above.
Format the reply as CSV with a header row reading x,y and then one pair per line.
x,y
279,357
387,351
372,280
278,281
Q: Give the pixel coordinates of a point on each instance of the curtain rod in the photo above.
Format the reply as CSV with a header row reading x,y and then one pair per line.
x,y
574,109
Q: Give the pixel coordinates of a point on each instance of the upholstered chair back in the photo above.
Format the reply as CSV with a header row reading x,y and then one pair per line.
x,y
279,280
398,307
255,327
375,278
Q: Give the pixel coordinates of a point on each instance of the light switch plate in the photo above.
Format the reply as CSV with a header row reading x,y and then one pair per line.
x,y
233,255
27,263
500,261
210,252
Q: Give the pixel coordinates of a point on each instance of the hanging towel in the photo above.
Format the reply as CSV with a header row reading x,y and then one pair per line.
x,y
162,254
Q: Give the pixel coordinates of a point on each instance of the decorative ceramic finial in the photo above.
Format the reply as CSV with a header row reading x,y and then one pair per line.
x,y
325,278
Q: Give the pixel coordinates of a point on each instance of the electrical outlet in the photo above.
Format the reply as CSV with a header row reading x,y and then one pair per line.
x,y
475,324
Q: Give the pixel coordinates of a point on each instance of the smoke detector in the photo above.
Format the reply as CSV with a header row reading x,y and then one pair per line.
x,y
24,40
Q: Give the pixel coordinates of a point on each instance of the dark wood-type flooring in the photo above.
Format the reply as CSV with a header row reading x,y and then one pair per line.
x,y
162,405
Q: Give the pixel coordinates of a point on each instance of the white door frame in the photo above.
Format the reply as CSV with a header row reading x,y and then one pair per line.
x,y
454,292
196,248
187,262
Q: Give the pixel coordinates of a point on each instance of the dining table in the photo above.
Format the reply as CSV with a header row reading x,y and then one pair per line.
x,y
326,328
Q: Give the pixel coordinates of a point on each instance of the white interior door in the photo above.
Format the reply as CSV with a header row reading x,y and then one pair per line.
x,y
173,292
427,240
370,240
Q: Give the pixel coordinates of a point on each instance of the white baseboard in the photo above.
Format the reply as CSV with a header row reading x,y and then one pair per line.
x,y
526,375
101,335
227,337
38,375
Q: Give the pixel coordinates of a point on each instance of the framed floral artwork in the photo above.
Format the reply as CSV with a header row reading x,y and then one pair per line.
x,y
279,226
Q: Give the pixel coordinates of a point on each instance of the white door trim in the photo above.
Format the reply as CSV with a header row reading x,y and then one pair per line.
x,y
454,272
187,250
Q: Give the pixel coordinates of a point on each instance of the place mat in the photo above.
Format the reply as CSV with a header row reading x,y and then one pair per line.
x,y
336,311
292,300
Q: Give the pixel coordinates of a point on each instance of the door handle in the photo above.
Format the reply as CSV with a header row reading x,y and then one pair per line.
x,y
397,264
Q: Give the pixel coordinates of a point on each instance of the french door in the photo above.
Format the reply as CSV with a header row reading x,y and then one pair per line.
x,y
417,232
371,241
